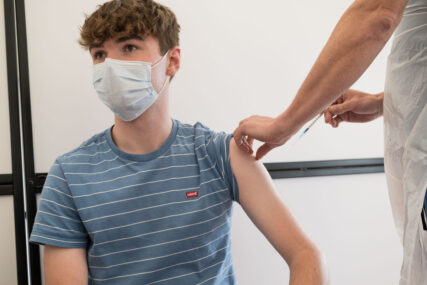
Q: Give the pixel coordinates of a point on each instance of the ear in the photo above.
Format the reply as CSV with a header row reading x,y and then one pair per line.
x,y
174,61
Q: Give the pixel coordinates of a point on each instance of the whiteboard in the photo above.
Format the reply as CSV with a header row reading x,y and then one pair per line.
x,y
239,58
5,151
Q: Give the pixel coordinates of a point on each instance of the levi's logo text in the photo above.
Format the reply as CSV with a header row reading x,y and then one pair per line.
x,y
192,194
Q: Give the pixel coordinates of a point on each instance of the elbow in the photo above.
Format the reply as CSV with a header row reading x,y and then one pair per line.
x,y
388,20
382,23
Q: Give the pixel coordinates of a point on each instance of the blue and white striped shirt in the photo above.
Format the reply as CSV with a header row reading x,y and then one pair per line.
x,y
157,218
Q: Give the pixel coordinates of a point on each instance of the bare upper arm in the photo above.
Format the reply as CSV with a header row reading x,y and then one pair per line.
x,y
259,199
65,265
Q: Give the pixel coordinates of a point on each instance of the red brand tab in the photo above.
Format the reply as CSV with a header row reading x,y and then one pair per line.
x,y
192,194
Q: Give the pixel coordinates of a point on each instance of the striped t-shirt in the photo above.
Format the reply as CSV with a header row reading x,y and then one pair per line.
x,y
157,218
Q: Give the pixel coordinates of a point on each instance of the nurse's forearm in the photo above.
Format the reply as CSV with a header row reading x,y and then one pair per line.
x,y
357,39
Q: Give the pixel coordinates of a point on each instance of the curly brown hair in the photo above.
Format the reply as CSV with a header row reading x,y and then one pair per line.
x,y
130,18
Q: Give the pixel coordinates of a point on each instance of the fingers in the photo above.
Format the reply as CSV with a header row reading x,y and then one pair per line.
x,y
241,132
250,141
249,129
333,120
336,121
247,146
255,127
339,109
239,136
242,140
263,150
328,116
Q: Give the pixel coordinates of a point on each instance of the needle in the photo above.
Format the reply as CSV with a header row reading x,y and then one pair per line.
x,y
309,126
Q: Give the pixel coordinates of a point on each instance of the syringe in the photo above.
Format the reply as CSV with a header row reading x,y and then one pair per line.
x,y
309,126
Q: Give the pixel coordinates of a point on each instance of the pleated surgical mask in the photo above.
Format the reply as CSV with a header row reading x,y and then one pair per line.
x,y
126,87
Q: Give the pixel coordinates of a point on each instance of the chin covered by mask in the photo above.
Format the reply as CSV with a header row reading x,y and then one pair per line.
x,y
129,88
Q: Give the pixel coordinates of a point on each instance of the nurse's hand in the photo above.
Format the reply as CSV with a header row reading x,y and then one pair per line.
x,y
265,129
355,107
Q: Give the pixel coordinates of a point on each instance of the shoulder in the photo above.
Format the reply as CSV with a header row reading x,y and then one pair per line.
x,y
89,146
202,135
190,130
88,150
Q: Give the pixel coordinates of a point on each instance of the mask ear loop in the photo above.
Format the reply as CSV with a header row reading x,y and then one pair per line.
x,y
167,76
160,61
164,84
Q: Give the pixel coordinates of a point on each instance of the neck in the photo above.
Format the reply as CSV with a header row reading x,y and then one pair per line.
x,y
146,133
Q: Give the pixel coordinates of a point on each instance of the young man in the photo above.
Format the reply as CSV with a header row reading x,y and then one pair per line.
x,y
149,200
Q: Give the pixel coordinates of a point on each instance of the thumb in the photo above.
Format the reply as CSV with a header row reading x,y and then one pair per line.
x,y
263,150
339,109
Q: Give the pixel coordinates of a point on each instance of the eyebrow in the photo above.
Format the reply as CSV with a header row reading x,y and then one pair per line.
x,y
123,39
119,40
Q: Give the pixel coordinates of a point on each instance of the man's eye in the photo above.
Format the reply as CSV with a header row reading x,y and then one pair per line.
x,y
98,55
129,48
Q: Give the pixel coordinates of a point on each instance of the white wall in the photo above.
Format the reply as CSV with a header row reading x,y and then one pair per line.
x,y
7,232
239,58
7,242
348,217
60,78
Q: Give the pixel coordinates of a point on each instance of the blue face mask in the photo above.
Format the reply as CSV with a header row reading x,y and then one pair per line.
x,y
126,86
